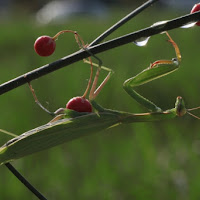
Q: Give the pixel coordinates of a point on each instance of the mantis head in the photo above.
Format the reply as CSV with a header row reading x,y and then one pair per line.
x,y
181,109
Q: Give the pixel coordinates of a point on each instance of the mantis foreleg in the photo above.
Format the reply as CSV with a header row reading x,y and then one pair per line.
x,y
156,70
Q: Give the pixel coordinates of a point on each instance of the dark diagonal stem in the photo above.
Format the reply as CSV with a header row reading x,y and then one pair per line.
x,y
77,56
122,22
25,182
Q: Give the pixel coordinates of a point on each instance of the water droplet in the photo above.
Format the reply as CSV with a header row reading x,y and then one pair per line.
x,y
142,41
189,25
159,23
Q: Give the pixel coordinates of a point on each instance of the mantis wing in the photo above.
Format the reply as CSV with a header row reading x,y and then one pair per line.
x,y
52,134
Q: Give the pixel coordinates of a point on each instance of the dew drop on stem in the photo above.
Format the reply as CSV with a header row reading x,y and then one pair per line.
x,y
188,25
142,41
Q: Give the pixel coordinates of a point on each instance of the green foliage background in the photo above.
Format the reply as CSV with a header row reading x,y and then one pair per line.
x,y
137,161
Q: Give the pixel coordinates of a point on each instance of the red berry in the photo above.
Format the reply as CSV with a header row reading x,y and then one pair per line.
x,y
79,104
45,45
196,8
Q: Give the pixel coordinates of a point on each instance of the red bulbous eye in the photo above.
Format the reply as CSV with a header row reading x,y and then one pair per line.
x,y
44,45
79,104
196,8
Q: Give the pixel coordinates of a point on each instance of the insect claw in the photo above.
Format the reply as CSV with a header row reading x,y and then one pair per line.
x,y
57,118
59,111
150,65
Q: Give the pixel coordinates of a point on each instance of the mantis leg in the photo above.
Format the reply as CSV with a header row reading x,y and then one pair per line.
x,y
93,92
156,70
38,102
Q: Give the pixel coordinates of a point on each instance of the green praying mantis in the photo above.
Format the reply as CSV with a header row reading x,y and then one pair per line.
x,y
68,124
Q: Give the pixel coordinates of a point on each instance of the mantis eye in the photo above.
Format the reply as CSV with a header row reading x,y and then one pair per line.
x,y
175,61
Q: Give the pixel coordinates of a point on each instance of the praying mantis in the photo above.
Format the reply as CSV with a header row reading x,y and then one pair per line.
x,y
68,124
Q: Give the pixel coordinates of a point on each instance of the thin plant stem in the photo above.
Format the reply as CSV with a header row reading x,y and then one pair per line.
x,y
122,22
79,55
25,182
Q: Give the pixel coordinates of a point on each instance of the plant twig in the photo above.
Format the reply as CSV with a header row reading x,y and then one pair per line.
x,y
77,56
122,22
25,182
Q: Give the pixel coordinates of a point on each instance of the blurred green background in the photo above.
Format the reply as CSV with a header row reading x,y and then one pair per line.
x,y
135,161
